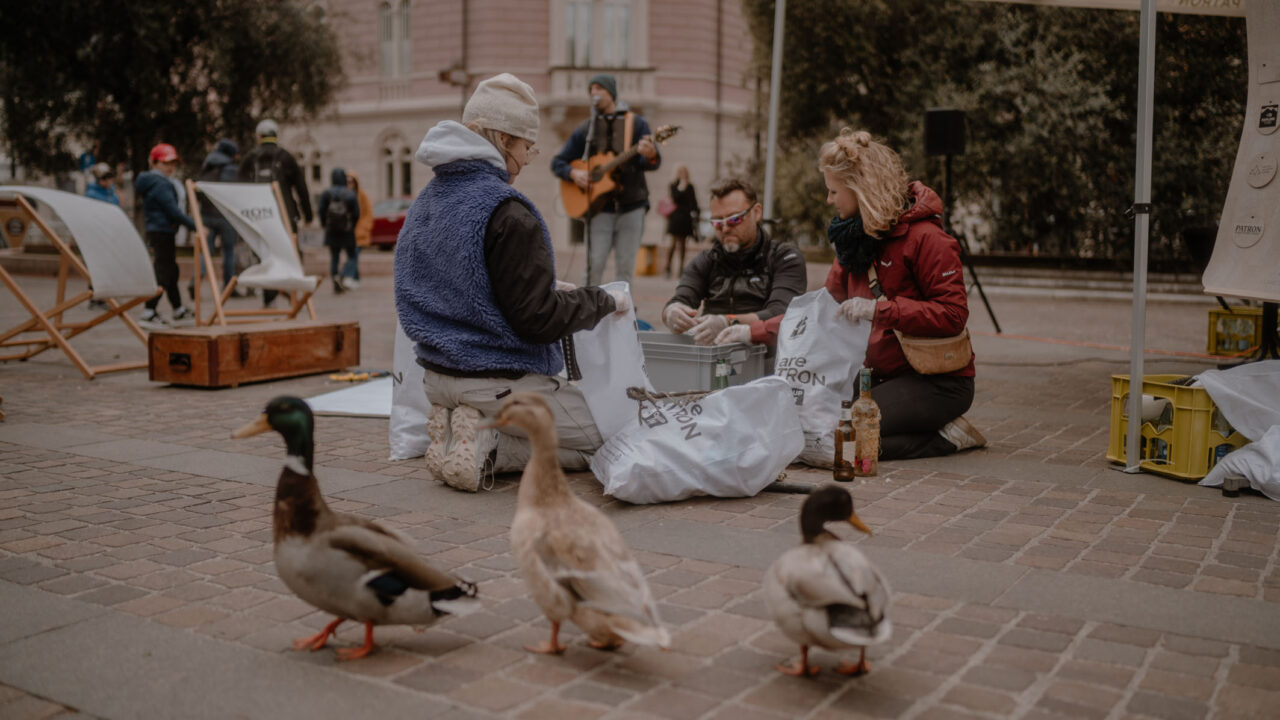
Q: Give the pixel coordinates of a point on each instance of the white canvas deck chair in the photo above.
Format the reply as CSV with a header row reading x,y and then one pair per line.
x,y
257,212
113,260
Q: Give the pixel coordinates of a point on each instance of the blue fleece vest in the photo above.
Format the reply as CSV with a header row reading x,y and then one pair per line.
x,y
443,294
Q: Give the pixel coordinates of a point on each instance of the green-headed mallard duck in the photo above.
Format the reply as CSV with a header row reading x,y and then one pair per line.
x,y
573,559
826,592
343,564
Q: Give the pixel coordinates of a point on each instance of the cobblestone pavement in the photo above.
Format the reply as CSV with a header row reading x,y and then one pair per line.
x,y
1031,579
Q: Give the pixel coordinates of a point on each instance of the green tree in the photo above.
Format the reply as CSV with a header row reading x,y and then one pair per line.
x,y
128,75
1050,96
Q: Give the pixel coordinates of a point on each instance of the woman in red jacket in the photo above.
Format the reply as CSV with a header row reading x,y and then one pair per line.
x,y
885,219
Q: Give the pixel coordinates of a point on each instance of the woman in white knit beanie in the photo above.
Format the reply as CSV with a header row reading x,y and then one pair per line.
x,y
476,292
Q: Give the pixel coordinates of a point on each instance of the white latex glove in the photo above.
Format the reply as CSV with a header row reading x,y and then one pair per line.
x,y
622,300
707,327
678,317
562,285
734,334
858,308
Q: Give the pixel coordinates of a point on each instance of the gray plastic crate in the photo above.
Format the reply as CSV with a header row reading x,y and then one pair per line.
x,y
675,364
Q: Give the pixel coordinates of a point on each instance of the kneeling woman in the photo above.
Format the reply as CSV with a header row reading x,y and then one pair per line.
x,y
476,291
889,226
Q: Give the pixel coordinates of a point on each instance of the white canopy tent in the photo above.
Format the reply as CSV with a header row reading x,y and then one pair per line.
x,y
1142,181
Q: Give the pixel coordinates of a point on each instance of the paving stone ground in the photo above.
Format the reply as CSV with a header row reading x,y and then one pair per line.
x,y
1031,578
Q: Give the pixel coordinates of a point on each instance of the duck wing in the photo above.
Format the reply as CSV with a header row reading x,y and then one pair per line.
x,y
590,560
379,549
849,593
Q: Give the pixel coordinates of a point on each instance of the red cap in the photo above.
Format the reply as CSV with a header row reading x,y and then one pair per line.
x,y
164,152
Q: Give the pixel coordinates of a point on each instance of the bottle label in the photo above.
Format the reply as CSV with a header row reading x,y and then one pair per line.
x,y
849,450
722,369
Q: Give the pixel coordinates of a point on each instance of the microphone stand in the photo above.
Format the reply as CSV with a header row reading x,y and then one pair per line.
x,y
586,158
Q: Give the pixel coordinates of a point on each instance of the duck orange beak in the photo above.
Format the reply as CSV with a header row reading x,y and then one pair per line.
x,y
257,427
856,521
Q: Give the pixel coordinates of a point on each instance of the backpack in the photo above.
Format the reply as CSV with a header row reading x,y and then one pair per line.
x,y
338,220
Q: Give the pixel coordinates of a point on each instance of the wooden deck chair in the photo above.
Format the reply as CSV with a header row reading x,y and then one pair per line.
x,y
257,212
113,260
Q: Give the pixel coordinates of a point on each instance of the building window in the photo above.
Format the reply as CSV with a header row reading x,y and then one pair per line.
x,y
395,52
406,55
397,169
599,33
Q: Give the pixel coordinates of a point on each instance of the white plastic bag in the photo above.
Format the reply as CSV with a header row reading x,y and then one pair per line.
x,y
1258,463
819,354
1248,395
407,429
731,443
611,360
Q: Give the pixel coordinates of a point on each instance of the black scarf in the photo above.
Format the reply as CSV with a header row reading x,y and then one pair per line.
x,y
855,249
744,261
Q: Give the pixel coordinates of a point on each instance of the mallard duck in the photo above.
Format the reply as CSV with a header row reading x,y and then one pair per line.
x,y
343,564
826,592
573,559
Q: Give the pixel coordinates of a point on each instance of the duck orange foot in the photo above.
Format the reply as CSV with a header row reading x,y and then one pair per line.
x,y
552,646
800,668
862,667
319,640
363,650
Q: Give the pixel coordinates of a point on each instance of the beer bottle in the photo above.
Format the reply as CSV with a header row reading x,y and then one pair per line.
x,y
846,445
720,380
866,425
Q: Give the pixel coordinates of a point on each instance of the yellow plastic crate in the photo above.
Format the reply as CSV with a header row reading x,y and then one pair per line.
x,y
1185,442
1235,332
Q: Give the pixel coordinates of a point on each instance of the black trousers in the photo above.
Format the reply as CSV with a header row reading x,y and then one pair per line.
x,y
914,407
165,261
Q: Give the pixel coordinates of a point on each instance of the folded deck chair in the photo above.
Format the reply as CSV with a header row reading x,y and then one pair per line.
x,y
113,260
256,211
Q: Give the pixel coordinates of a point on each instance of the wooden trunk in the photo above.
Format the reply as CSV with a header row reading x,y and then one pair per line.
x,y
217,356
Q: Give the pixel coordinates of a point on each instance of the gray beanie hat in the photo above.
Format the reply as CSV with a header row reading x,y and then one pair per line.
x,y
504,103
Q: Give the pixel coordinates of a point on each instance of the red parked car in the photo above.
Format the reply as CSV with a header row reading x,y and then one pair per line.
x,y
388,218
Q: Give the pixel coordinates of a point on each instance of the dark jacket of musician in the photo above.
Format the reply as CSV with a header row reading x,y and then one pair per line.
x,y
761,279
633,189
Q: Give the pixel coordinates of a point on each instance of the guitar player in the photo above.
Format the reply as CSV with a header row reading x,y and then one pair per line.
x,y
618,222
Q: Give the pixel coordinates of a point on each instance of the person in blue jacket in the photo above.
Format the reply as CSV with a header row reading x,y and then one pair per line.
x,y
103,185
162,217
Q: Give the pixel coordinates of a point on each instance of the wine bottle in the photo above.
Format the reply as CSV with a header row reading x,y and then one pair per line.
x,y
866,426
846,445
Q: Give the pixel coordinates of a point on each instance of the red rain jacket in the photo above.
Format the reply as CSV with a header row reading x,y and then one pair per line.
x,y
920,272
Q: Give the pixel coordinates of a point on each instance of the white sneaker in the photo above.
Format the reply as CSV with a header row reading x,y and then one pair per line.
x,y
438,431
470,457
183,316
350,283
962,434
152,319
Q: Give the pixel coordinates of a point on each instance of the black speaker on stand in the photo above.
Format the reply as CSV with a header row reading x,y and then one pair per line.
x,y
944,135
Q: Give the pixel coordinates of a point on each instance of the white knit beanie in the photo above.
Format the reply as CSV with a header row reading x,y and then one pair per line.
x,y
505,103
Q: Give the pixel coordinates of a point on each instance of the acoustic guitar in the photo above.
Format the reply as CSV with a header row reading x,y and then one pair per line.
x,y
577,202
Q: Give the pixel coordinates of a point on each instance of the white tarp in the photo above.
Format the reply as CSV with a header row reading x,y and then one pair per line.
x,y
252,210
115,255
366,399
1247,395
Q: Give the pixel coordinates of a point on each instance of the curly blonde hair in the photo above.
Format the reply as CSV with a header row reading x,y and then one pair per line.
x,y
873,172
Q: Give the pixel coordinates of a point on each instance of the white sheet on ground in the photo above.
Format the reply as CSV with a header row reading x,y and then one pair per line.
x,y
253,211
115,255
1248,396
1258,463
367,399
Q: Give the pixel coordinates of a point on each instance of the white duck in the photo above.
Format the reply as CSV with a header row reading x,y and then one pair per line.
x,y
343,564
573,559
826,592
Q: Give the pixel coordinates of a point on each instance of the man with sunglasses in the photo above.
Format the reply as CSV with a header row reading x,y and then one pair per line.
x,y
745,275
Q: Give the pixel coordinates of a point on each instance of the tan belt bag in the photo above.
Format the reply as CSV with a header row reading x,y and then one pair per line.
x,y
929,355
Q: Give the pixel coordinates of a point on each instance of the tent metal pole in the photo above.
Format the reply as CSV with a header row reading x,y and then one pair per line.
x,y
1141,229
775,94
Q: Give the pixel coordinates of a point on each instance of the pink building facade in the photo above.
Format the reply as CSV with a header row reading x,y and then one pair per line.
x,y
413,63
